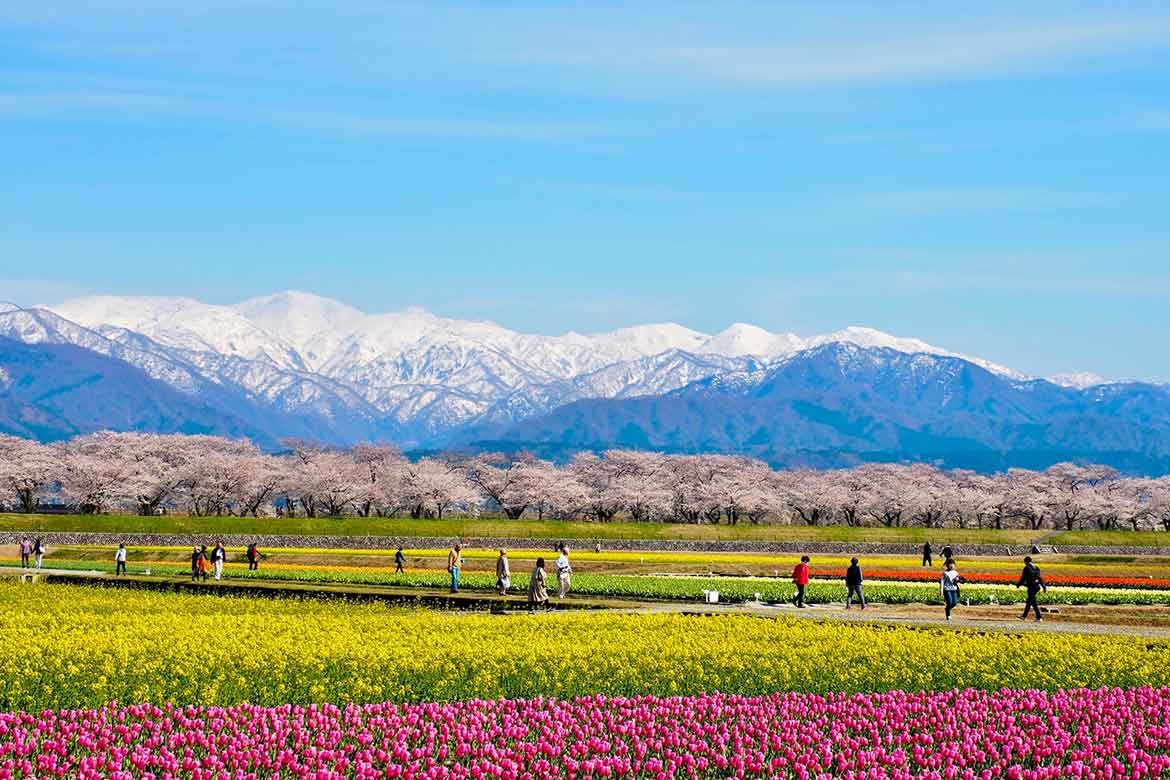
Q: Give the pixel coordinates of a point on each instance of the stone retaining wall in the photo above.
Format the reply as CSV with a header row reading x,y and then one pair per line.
x,y
633,545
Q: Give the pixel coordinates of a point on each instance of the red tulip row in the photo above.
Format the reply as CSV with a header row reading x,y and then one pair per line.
x,y
1070,580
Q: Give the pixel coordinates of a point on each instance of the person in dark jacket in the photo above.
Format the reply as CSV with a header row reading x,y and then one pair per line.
x,y
399,562
948,554
194,563
853,580
1030,578
253,557
927,555
800,580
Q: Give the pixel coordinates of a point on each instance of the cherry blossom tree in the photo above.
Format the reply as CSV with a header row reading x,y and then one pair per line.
x,y
436,486
28,471
508,483
809,494
96,471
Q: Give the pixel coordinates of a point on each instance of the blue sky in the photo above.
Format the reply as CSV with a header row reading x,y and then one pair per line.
x,y
995,181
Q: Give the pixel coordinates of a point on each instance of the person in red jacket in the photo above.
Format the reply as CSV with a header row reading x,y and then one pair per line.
x,y
800,578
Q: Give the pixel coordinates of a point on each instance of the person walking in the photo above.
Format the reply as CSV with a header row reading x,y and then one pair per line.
x,y
949,586
454,564
1030,578
399,562
202,564
927,554
194,563
38,552
120,561
218,558
503,572
25,551
564,572
853,580
253,557
537,590
948,554
800,579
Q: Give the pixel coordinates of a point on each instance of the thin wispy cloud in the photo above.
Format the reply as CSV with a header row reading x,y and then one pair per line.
x,y
975,50
910,203
114,105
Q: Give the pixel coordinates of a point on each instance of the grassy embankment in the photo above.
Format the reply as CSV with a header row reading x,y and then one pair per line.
x,y
552,529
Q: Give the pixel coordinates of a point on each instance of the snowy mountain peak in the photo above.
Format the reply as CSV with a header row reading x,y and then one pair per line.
x,y
744,339
183,323
298,317
655,338
1078,380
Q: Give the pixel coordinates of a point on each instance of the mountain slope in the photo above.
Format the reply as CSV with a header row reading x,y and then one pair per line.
x,y
275,402
54,391
840,403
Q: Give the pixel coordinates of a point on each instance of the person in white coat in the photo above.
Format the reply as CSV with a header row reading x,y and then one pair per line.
x,y
120,561
564,572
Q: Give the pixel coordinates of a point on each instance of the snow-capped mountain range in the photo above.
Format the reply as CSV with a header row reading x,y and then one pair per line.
x,y
411,376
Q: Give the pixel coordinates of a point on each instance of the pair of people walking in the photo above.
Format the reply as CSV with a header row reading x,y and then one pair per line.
x,y
853,583
31,548
203,563
928,554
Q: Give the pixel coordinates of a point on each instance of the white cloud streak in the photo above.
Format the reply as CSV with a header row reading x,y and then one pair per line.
x,y
115,105
870,56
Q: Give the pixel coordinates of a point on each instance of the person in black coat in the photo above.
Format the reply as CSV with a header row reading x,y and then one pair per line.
x,y
1030,578
194,563
399,562
853,580
927,555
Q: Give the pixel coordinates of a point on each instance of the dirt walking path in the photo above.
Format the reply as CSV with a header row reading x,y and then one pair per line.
x,y
1151,622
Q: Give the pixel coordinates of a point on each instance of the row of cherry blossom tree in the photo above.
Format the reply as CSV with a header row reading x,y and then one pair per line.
x,y
207,475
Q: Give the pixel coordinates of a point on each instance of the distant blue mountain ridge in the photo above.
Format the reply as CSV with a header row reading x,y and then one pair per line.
x,y
841,404
832,405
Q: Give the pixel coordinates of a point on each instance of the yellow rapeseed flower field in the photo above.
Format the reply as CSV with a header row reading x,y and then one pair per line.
x,y
70,646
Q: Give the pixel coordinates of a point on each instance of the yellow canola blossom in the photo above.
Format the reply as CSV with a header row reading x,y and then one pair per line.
x,y
70,646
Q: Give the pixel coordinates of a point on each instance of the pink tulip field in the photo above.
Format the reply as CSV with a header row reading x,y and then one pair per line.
x,y
968,735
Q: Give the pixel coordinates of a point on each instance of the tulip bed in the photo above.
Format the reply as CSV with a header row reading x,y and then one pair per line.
x,y
1020,735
